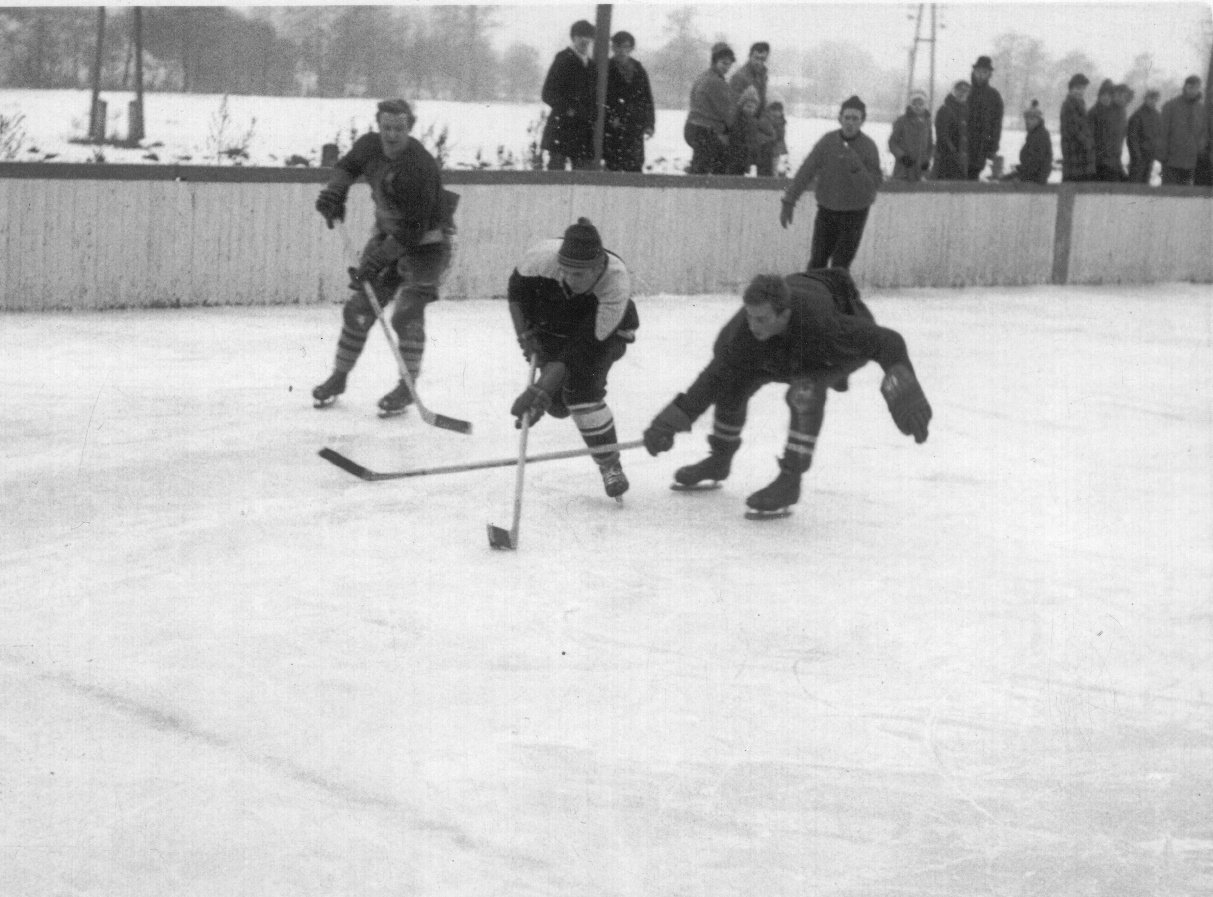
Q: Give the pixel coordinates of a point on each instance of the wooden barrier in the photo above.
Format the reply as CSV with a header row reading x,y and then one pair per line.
x,y
115,236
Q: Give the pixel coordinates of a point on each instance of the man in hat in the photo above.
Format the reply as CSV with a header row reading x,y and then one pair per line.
x,y
570,89
911,142
409,251
984,111
571,304
845,165
809,331
712,115
1077,145
1183,134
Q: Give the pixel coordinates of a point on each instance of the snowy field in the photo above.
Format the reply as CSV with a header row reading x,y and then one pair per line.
x,y
189,128
977,666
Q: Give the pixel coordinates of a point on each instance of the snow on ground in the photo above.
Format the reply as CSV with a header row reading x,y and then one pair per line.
x,y
191,128
980,665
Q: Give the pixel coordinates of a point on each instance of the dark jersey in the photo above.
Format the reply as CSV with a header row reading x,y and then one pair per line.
x,y
830,331
407,190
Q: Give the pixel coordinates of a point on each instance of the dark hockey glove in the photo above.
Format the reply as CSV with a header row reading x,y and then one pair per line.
x,y
383,255
331,204
532,403
659,437
786,212
906,402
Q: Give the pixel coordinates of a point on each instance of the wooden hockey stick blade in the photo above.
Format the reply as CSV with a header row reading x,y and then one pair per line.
x,y
500,538
446,423
364,473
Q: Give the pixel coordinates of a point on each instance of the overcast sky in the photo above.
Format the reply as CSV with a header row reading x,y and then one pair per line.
x,y
1112,34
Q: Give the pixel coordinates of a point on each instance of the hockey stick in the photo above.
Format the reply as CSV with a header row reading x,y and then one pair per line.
x,y
365,473
498,537
430,417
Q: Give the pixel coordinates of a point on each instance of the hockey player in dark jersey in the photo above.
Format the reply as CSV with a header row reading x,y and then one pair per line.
x,y
810,331
407,254
571,305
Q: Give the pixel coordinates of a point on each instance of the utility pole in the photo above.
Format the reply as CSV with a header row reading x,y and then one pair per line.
x,y
135,112
602,58
96,113
918,39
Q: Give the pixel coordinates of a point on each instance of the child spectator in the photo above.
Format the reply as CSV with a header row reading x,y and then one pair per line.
x,y
772,159
1036,154
751,136
911,142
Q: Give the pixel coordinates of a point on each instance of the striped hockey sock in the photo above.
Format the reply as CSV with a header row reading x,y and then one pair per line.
x,y
597,426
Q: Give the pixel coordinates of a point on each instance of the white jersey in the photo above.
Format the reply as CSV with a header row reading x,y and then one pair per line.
x,y
613,289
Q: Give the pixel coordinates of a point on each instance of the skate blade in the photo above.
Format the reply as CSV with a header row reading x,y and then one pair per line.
x,y
777,514
323,403
500,538
697,487
385,414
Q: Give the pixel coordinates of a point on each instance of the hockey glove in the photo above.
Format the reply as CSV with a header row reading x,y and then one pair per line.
x,y
906,402
659,437
331,204
786,210
531,404
383,255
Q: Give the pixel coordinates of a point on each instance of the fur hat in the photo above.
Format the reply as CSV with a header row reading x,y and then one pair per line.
x,y
1079,80
854,102
582,247
720,50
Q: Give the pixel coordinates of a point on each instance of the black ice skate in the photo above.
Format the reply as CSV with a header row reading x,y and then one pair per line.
x,y
707,474
776,500
397,401
326,393
614,480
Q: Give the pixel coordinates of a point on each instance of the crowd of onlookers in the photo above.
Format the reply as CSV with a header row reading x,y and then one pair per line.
x,y
732,127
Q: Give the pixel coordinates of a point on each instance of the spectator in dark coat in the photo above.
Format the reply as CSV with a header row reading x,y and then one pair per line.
x,y
984,111
751,137
1107,134
1077,148
952,136
712,115
1141,134
753,74
911,141
1036,154
630,117
773,152
1183,132
570,89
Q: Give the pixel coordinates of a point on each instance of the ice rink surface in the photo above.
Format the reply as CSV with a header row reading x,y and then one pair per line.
x,y
983,665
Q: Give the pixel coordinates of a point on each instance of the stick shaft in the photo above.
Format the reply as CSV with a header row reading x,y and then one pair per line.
x,y
526,426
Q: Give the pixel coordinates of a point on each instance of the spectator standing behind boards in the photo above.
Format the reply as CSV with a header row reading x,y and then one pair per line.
x,y
1107,134
1036,154
845,164
712,115
1141,134
911,142
753,73
752,135
570,89
630,117
772,154
1077,148
952,135
984,111
1182,133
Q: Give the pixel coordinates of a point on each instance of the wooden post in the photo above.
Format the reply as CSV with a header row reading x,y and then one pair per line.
x,y
602,59
135,114
96,112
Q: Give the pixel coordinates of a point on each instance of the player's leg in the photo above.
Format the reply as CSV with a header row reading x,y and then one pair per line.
x,y
584,394
728,419
806,400
420,272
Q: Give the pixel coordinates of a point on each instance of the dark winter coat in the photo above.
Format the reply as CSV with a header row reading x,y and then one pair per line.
x,y
629,113
911,144
951,141
752,139
1183,132
1141,134
712,105
1036,156
1077,147
570,90
830,332
1108,127
984,114
847,173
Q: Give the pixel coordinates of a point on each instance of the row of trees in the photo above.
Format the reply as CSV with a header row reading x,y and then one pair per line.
x,y
447,52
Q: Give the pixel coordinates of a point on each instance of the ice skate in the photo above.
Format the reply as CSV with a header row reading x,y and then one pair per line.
x,y
776,500
397,401
614,480
707,474
326,393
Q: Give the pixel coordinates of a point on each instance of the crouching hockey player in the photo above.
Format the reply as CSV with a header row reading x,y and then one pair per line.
x,y
810,331
408,253
571,305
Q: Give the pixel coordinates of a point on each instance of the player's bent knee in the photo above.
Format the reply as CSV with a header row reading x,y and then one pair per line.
x,y
805,395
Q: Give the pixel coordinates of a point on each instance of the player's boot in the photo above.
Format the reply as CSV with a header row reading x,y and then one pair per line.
x,y
781,494
613,479
326,393
396,401
714,467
